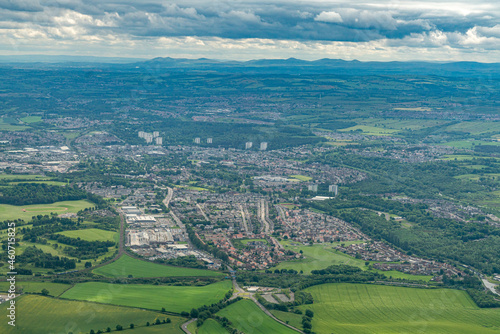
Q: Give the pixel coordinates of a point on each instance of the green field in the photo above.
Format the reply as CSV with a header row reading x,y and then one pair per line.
x,y
91,234
24,177
363,308
25,212
475,128
5,126
293,319
247,317
301,177
173,328
371,130
55,289
31,119
211,326
320,256
37,314
126,265
153,297
317,257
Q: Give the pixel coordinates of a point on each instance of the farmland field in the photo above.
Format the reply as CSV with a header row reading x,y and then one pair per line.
x,y
475,128
55,289
25,212
293,319
91,234
126,265
247,317
37,314
363,308
211,326
154,297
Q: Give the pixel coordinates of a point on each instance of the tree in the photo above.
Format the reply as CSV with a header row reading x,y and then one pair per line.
x,y
88,264
309,313
108,329
131,326
45,292
194,313
119,327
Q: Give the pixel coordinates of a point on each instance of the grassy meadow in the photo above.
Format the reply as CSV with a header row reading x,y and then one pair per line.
x,y
25,212
91,234
55,289
211,326
153,297
126,265
320,256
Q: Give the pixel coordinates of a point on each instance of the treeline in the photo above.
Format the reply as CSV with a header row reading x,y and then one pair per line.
x,y
474,287
189,261
473,244
82,249
296,282
204,246
422,180
209,311
39,193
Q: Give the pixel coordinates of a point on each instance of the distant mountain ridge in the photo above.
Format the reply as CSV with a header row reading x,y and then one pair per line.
x,y
260,66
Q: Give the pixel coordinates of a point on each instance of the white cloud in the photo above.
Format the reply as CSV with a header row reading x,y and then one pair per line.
x,y
330,17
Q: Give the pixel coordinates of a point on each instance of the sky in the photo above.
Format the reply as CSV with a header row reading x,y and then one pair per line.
x,y
243,30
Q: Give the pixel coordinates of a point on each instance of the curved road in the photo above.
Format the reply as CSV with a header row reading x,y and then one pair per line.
x,y
186,324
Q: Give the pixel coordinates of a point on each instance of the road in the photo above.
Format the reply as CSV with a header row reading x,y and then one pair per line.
x,y
245,225
202,212
490,286
266,311
185,325
239,291
263,214
170,194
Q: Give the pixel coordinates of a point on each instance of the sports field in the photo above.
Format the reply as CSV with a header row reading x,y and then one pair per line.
x,y
301,177
153,297
247,317
25,212
126,265
55,289
37,314
91,234
211,326
31,119
363,308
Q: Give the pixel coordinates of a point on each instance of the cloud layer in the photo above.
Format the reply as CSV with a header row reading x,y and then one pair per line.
x,y
256,29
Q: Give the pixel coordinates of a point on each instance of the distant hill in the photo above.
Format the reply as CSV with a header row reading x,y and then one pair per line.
x,y
282,66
